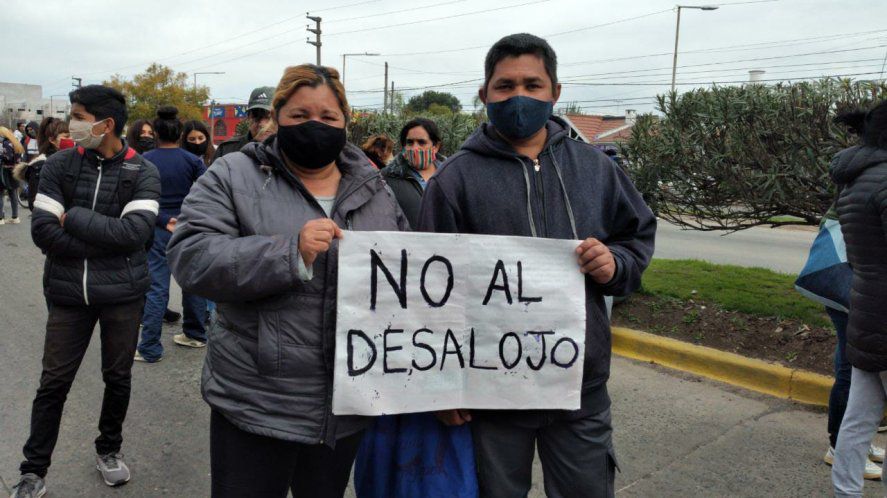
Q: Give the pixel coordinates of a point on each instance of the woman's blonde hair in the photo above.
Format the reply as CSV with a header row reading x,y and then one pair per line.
x,y
379,141
16,145
295,77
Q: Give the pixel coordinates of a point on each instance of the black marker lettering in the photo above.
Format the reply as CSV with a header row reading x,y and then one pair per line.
x,y
575,352
471,356
400,290
520,351
520,287
500,268
426,347
443,300
354,372
446,351
386,350
540,334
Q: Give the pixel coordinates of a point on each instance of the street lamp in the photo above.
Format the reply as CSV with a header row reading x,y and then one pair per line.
x,y
674,67
367,54
210,72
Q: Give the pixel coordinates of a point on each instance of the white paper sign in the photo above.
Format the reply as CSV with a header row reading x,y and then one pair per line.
x,y
435,321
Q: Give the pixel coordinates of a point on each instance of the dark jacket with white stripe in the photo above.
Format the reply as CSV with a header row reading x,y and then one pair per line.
x,y
98,256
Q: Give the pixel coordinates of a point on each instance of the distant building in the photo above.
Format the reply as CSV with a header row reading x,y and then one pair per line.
x,y
19,101
606,132
223,120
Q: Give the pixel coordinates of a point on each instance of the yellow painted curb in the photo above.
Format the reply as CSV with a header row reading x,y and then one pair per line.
x,y
756,375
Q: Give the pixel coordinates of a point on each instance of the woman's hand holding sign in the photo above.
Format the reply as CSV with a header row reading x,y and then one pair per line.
x,y
596,260
316,237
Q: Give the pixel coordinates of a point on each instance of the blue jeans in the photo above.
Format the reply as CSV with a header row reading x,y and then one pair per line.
x,y
837,400
157,299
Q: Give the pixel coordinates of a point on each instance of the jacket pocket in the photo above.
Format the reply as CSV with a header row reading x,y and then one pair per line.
x,y
278,356
132,275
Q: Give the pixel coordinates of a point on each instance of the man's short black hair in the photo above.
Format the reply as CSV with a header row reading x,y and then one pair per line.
x,y
102,102
429,125
517,45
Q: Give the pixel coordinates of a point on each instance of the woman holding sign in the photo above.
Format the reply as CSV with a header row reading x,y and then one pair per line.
x,y
257,235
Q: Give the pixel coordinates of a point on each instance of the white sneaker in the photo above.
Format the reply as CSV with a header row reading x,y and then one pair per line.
x,y
872,469
876,454
15,221
2,221
183,340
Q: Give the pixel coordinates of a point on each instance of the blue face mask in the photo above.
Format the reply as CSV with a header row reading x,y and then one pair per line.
x,y
519,117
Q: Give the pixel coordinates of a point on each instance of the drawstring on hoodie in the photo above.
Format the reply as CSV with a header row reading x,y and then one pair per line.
x,y
269,172
567,204
564,195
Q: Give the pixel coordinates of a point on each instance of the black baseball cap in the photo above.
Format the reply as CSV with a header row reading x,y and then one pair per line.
x,y
260,98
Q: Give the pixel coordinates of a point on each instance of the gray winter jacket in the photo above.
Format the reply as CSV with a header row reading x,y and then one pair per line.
x,y
269,361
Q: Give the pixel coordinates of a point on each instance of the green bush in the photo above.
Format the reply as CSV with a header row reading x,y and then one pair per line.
x,y
728,158
454,128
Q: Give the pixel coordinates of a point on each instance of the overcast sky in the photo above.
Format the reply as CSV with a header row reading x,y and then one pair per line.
x,y
613,54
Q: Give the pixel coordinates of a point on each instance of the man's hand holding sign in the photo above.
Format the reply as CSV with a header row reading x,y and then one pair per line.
x,y
430,322
595,260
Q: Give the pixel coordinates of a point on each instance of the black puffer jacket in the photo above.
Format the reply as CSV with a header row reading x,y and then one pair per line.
x,y
98,256
861,174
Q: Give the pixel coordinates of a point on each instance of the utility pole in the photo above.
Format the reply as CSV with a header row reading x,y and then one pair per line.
x,y
365,54
77,82
391,97
212,122
316,32
677,32
385,91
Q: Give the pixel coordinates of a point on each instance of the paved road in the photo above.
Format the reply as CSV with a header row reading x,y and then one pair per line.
x,y
676,435
783,250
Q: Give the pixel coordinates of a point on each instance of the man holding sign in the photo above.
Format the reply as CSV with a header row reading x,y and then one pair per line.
x,y
522,175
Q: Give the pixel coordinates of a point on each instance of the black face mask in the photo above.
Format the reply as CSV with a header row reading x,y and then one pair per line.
x,y
312,144
145,144
197,149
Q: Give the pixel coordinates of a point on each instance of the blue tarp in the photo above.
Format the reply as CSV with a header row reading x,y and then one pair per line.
x,y
407,456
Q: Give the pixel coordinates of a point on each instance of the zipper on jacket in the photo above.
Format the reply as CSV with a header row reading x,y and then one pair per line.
x,y
95,198
540,195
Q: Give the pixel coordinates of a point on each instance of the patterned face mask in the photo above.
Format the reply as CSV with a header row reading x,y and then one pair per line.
x,y
417,158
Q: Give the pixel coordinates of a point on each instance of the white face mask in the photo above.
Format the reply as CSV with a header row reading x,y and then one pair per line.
x,y
81,132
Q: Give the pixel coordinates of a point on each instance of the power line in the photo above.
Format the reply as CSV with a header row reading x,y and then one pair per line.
x,y
622,74
636,71
399,11
666,83
453,16
474,47
824,52
338,7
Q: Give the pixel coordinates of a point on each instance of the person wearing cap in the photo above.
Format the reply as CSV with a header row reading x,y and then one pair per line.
x,y
258,114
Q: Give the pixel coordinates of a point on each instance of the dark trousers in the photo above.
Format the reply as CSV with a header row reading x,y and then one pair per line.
x,y
68,332
246,465
840,393
157,299
13,199
577,455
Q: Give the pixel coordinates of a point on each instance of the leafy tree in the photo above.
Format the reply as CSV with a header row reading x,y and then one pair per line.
x,y
424,101
454,128
729,158
160,85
